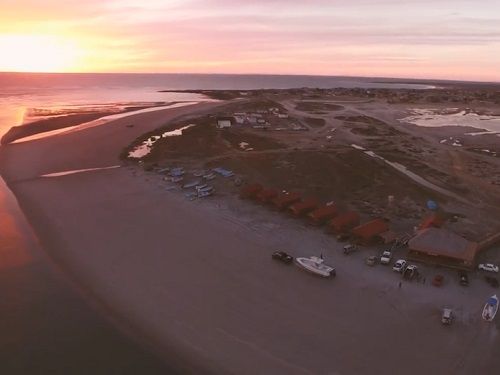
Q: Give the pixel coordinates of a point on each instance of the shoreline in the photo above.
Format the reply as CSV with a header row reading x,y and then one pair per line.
x,y
57,123
140,257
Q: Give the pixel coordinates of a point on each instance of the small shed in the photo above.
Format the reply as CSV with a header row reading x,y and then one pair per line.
x,y
370,232
304,207
283,200
224,122
344,222
322,214
250,191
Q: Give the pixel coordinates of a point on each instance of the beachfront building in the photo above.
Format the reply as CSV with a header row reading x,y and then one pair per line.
x,y
224,122
370,232
285,199
441,247
322,214
303,207
344,222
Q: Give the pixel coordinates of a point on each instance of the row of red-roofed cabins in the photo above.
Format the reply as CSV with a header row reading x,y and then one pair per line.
x,y
339,223
317,214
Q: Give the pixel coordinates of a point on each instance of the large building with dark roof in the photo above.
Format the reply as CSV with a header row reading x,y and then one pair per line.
x,y
442,247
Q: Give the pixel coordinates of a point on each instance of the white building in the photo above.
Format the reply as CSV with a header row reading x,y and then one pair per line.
x,y
223,123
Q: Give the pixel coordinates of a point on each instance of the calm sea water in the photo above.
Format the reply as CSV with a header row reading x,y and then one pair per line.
x,y
20,93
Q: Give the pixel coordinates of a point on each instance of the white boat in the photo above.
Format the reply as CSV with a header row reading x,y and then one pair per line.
x,y
209,176
205,193
190,185
490,308
200,187
315,265
199,173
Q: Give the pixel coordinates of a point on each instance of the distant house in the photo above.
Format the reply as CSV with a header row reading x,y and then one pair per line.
x,y
252,119
224,122
304,207
322,214
344,222
285,199
239,119
266,195
371,231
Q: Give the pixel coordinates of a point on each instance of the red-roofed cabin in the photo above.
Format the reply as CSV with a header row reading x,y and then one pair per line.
x,y
321,215
250,191
304,207
344,222
266,195
284,200
435,220
370,232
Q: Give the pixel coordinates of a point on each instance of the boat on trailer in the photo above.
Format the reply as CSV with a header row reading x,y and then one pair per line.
x,y
315,265
490,308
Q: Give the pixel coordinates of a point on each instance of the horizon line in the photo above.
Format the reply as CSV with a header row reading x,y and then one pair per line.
x,y
266,74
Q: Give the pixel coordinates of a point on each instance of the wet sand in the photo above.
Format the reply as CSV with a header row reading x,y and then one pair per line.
x,y
62,122
48,327
200,279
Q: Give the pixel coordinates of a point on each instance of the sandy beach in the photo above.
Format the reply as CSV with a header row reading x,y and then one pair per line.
x,y
196,279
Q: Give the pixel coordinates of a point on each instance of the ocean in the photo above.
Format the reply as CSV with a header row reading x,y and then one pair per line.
x,y
25,94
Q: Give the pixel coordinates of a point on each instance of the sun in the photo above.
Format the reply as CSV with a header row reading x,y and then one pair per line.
x,y
37,53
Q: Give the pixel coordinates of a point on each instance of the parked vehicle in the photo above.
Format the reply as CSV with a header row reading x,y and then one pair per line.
x,y
488,267
438,280
399,266
349,249
463,278
447,316
490,308
493,281
282,256
410,272
386,257
371,260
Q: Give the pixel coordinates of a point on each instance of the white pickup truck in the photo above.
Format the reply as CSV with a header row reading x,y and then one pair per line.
x,y
386,257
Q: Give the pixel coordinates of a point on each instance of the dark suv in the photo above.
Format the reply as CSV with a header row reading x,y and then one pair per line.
x,y
282,256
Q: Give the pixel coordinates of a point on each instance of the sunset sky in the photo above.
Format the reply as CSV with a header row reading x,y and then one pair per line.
x,y
457,39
